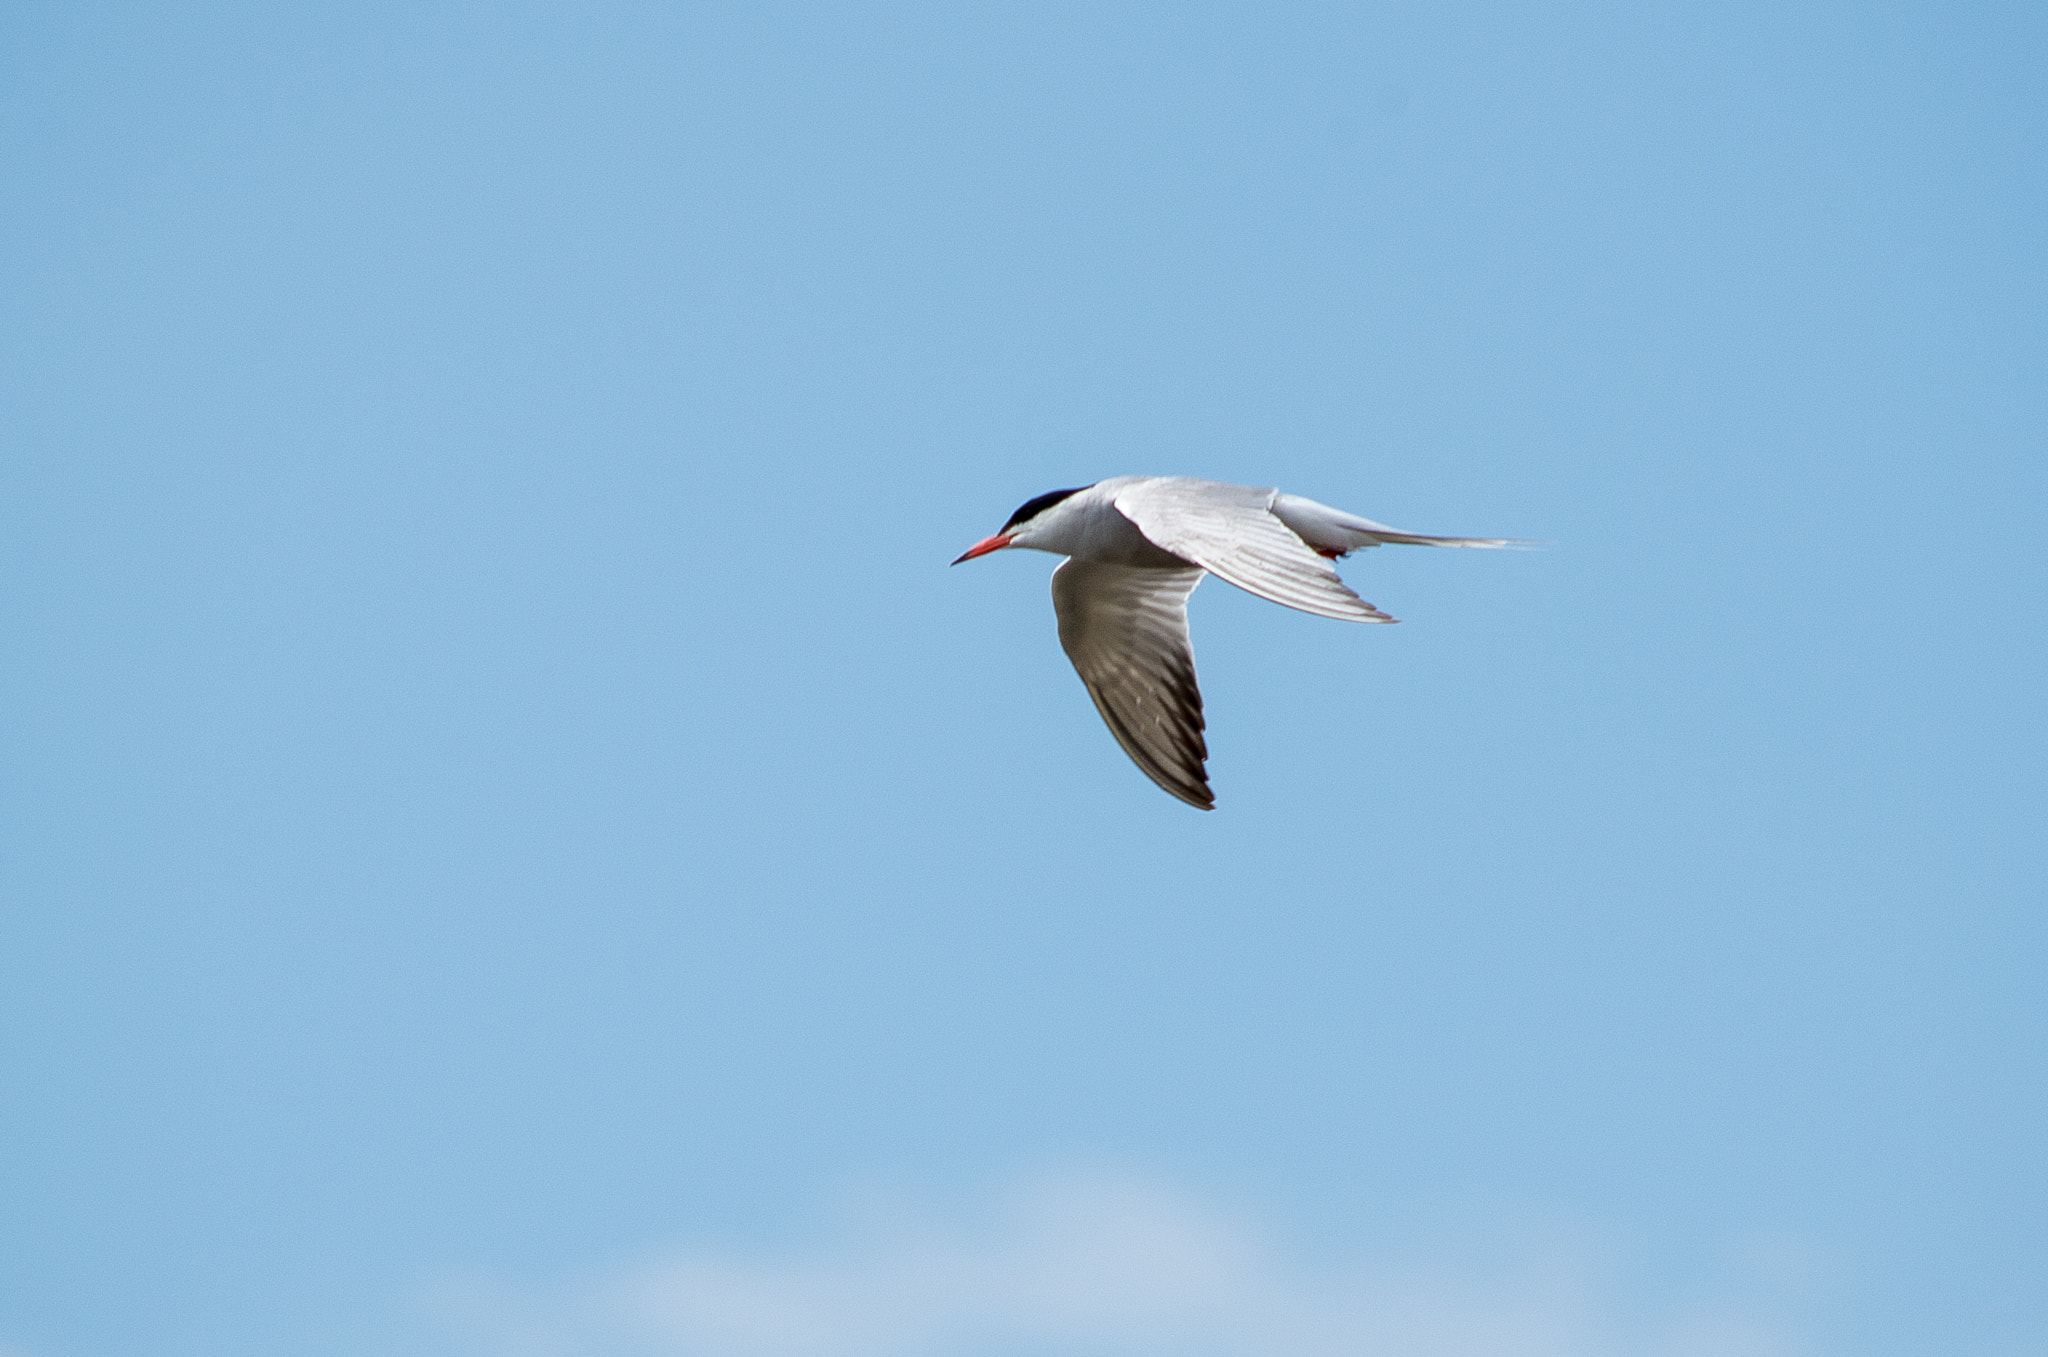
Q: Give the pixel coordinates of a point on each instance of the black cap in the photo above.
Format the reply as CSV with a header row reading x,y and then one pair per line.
x,y
1032,508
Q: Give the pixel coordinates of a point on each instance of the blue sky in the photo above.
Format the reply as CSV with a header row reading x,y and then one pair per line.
x,y
516,843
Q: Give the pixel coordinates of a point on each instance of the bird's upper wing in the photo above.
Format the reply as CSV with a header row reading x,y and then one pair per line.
x,y
1126,630
1230,530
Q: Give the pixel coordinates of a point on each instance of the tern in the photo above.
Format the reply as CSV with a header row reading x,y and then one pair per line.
x,y
1136,547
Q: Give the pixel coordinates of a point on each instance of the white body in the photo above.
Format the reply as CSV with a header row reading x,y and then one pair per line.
x,y
1137,546
1091,525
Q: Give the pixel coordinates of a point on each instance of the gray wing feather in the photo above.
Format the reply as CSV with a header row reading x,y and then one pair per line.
x,y
1126,630
1231,531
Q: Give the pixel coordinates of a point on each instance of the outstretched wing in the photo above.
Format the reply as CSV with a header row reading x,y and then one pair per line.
x,y
1230,531
1126,630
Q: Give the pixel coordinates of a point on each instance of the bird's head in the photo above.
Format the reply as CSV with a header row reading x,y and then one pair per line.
x,y
1019,531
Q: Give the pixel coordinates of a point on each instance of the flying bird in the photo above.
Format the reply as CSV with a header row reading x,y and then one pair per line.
x,y
1136,547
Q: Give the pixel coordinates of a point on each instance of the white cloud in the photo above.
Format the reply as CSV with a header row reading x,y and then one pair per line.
x,y
1093,1266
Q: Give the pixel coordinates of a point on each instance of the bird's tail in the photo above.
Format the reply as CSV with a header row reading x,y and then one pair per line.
x,y
1335,533
1417,539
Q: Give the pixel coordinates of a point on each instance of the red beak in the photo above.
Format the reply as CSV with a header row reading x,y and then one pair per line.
x,y
985,546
